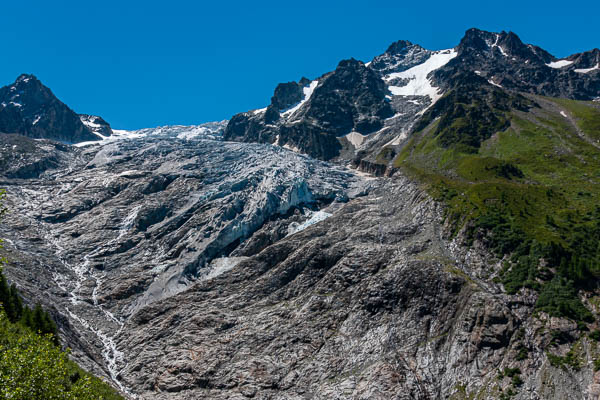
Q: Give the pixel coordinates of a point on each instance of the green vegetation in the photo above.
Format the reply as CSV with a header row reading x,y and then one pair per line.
x,y
523,353
595,335
32,367
520,177
559,298
569,360
37,319
515,378
573,358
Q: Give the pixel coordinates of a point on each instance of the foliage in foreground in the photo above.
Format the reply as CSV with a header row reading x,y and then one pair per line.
x,y
32,367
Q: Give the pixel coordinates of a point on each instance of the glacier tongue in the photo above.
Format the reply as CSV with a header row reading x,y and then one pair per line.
x,y
137,217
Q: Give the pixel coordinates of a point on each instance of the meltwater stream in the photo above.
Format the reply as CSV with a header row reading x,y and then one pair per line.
x,y
133,221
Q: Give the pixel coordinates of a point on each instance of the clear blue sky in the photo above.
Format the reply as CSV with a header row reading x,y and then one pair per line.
x,y
147,63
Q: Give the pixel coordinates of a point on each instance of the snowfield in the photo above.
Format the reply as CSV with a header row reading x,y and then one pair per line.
x,y
418,82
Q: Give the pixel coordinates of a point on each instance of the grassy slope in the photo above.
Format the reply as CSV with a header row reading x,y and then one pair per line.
x,y
534,186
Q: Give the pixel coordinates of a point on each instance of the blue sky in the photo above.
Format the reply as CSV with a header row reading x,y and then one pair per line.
x,y
147,63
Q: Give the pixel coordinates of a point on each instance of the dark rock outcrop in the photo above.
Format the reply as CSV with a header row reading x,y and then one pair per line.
x,y
96,124
25,158
502,58
310,116
29,108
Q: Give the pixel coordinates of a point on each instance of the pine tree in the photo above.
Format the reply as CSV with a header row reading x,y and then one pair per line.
x,y
16,303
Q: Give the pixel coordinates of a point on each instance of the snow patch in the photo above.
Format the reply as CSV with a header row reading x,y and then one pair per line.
x,y
36,120
419,84
559,64
308,91
499,47
89,122
586,70
494,83
259,111
563,114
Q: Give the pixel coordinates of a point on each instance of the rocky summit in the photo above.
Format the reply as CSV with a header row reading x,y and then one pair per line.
x,y
424,225
29,108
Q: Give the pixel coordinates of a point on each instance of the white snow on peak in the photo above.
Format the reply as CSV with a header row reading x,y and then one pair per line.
x,y
586,70
559,63
308,91
419,84
355,138
90,121
499,47
259,111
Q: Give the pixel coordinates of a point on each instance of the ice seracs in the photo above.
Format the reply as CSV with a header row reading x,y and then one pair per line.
x,y
314,218
209,130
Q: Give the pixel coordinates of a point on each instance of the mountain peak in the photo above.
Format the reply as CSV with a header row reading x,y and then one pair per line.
x,y
477,39
25,78
29,108
349,63
400,46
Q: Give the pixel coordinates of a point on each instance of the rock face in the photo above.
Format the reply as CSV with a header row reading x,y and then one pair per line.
x,y
358,110
503,59
29,108
24,158
96,124
349,99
